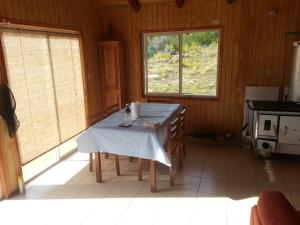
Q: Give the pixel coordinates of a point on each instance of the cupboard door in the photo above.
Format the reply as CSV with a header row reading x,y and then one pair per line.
x,y
289,132
110,64
111,73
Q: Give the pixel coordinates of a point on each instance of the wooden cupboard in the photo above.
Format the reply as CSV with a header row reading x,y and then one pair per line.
x,y
112,71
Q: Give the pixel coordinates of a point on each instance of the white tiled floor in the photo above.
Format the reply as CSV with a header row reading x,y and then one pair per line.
x,y
217,186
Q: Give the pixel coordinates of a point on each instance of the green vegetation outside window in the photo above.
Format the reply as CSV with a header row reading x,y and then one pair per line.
x,y
181,63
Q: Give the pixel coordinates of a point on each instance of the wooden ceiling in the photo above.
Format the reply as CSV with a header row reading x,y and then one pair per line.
x,y
136,4
125,2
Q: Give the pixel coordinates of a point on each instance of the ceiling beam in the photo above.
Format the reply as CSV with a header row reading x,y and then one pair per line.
x,y
229,1
179,3
135,5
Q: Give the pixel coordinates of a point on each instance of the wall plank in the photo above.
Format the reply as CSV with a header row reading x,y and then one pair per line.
x,y
253,49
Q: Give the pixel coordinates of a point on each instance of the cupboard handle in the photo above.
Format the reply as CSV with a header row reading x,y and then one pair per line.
x,y
285,130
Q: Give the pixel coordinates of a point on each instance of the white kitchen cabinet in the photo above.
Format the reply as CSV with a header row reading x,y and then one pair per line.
x,y
289,130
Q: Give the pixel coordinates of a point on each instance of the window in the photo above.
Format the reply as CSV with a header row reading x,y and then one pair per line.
x,y
181,63
44,72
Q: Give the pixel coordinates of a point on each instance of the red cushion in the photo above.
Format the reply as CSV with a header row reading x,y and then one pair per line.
x,y
274,209
255,220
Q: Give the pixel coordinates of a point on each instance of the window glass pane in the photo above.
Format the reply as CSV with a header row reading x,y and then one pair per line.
x,y
162,64
200,63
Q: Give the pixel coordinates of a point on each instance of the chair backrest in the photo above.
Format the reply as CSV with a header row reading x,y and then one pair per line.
x,y
112,109
153,100
173,130
181,118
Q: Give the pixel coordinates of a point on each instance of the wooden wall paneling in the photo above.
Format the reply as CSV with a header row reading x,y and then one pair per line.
x,y
276,68
268,46
261,51
230,82
278,62
238,92
22,10
174,14
220,104
232,98
128,63
193,110
5,189
254,38
242,62
247,51
148,17
227,59
162,16
228,40
188,7
9,161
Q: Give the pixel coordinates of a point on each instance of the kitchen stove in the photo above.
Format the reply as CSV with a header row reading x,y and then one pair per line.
x,y
276,127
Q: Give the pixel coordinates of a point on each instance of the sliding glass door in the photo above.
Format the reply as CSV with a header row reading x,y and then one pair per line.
x,y
45,75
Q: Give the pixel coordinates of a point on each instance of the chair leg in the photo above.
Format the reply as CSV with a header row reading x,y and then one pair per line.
x,y
171,174
179,157
181,151
98,167
91,162
153,175
140,169
117,165
183,146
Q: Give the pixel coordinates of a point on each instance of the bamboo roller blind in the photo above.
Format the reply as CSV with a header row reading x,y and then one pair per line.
x,y
44,73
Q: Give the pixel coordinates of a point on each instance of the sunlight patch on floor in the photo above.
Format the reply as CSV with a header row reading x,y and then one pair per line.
x,y
173,210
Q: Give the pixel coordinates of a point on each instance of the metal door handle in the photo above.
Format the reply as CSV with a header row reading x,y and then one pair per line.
x,y
285,130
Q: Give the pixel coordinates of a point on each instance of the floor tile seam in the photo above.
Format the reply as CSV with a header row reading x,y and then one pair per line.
x,y
124,212
200,180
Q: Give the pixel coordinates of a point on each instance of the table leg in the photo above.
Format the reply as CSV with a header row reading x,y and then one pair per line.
x,y
140,169
117,165
153,175
98,167
91,162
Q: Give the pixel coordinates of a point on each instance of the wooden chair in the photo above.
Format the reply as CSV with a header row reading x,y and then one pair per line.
x,y
110,110
172,147
181,118
153,100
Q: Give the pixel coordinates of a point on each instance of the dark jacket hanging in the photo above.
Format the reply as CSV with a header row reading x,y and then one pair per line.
x,y
7,109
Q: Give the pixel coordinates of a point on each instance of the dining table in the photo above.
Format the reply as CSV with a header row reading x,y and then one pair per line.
x,y
144,137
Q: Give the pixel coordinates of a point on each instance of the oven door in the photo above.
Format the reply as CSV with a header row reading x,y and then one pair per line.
x,y
289,132
268,126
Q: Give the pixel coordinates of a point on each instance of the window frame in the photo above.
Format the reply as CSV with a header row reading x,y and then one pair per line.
x,y
180,33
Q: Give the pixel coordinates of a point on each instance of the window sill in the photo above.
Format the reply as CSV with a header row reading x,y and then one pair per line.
x,y
172,96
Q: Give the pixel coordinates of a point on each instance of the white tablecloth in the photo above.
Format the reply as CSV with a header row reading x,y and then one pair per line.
x,y
137,140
